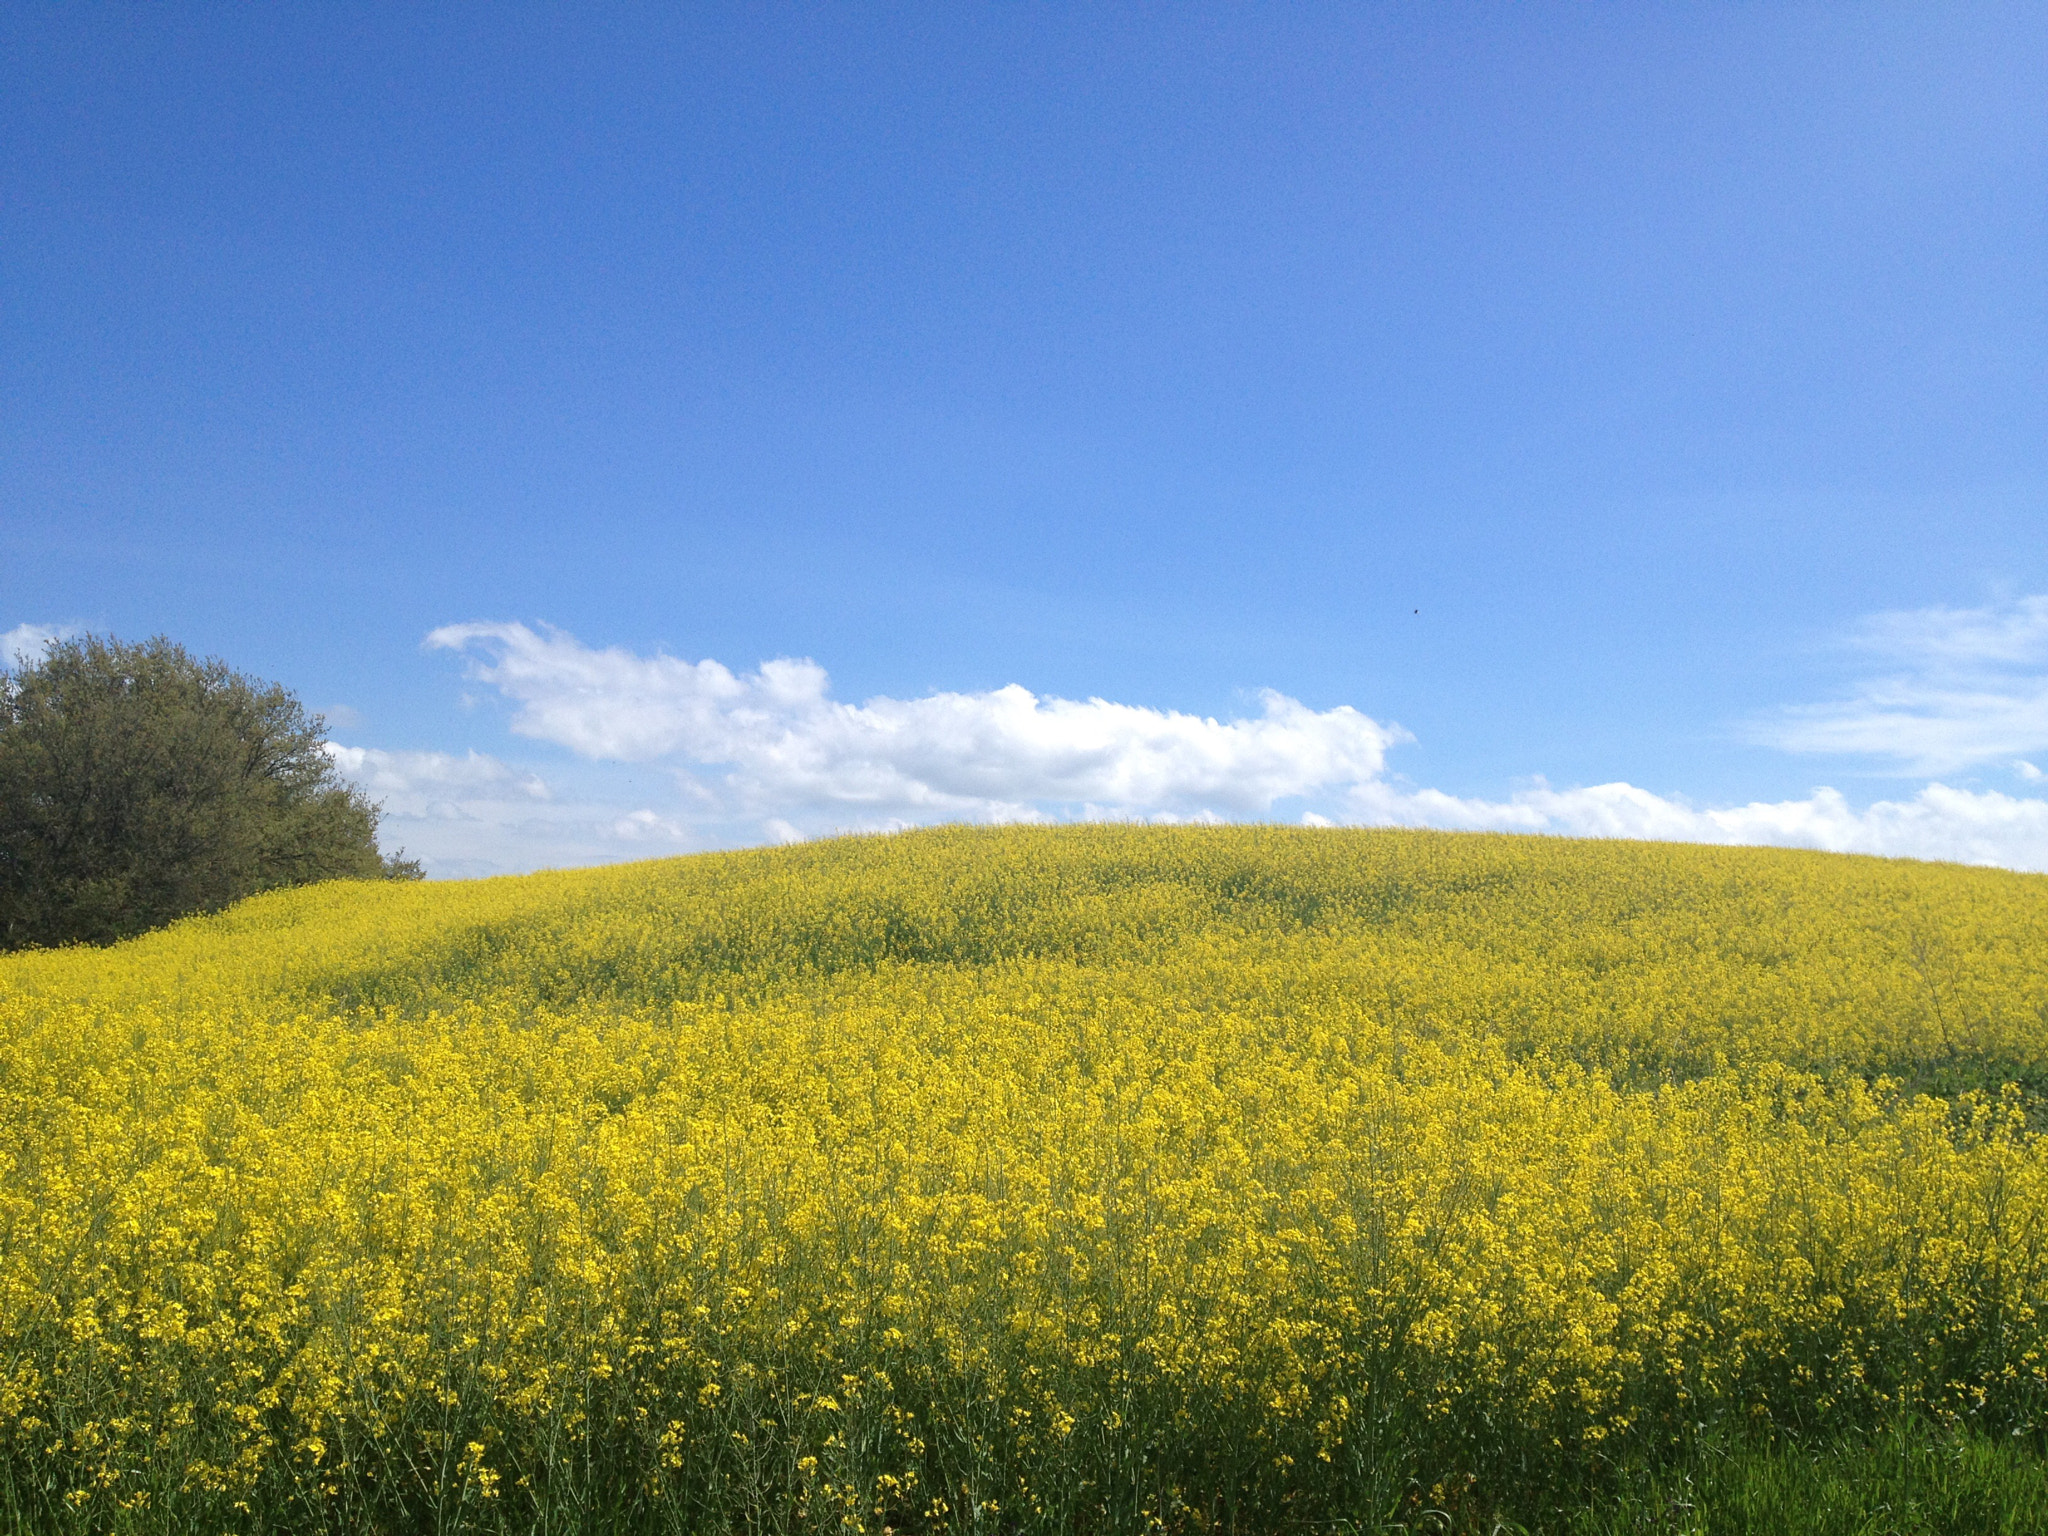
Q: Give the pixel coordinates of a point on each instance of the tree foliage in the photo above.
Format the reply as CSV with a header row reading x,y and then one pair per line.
x,y
138,785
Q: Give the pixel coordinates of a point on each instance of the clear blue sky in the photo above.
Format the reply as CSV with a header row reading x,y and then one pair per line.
x,y
1160,355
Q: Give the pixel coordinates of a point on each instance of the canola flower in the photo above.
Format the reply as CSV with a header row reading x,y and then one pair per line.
x,y
1099,1178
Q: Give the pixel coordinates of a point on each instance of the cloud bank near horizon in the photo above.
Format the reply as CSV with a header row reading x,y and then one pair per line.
x,y
672,755
477,815
1939,822
771,755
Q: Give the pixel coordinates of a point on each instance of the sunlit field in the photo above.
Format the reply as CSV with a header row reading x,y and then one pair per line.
x,y
1097,1179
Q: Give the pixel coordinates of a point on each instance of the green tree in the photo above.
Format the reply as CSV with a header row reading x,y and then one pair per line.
x,y
138,785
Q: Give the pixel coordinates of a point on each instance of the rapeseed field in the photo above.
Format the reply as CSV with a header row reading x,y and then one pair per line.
x,y
1092,1179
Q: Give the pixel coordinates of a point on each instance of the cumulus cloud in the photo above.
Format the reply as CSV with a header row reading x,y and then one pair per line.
x,y
1003,755
23,645
1961,688
770,754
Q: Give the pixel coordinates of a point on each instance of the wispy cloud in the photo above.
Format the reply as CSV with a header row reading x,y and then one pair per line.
x,y
787,746
24,644
1959,688
2013,634
416,783
476,815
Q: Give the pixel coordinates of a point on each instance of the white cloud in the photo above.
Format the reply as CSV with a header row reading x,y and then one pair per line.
x,y
785,761
475,815
1939,822
23,644
1965,687
1924,730
2011,634
644,826
413,783
1000,755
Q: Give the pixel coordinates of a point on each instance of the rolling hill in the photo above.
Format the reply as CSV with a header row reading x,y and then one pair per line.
x,y
1091,1178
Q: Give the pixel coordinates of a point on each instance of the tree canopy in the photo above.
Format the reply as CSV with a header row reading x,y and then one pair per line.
x,y
138,785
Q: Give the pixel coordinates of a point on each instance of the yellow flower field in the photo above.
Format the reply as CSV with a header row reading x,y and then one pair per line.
x,y
1093,1178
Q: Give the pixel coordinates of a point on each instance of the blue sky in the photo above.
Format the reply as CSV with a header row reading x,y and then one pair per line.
x,y
1584,418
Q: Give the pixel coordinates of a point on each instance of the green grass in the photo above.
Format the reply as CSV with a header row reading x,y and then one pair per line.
x,y
1911,1482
